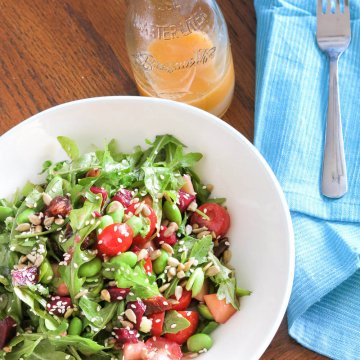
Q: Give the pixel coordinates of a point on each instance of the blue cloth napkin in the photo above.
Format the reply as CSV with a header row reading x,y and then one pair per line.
x,y
291,105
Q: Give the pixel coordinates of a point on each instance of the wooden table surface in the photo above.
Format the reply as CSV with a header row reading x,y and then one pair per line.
x,y
54,51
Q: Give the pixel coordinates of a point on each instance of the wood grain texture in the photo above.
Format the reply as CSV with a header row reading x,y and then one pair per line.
x,y
54,51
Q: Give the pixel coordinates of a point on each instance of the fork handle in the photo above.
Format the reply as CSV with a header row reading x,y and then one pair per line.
x,y
334,178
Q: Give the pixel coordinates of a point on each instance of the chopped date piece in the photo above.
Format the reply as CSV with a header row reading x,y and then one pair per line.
x,y
124,197
117,294
184,200
138,307
156,304
93,173
59,206
221,247
7,330
26,276
58,305
124,336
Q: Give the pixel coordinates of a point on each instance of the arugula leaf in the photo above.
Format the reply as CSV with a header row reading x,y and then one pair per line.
x,y
83,216
54,187
227,284
24,348
227,291
182,250
172,318
69,147
80,343
142,285
201,249
34,301
97,315
70,272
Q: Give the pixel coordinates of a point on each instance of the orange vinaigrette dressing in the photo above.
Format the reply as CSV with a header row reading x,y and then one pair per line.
x,y
184,69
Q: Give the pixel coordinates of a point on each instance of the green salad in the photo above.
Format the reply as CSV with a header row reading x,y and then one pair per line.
x,y
115,256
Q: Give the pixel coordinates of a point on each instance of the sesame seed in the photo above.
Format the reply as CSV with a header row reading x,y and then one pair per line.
x,y
173,326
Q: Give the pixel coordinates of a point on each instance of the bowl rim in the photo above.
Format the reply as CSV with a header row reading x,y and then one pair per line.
x,y
215,120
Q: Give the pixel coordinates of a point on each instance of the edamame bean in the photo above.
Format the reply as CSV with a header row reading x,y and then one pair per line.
x,y
105,221
195,281
116,211
198,342
96,287
75,327
5,212
136,224
242,292
50,325
90,268
160,263
128,258
205,312
172,212
24,216
46,272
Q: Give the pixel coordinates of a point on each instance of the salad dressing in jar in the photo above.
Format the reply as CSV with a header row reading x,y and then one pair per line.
x,y
180,50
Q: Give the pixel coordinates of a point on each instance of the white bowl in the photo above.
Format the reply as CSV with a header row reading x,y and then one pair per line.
x,y
261,232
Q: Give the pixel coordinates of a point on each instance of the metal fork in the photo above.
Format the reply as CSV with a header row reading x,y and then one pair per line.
x,y
333,36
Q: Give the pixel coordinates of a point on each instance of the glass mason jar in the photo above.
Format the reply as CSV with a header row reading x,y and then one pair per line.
x,y
180,50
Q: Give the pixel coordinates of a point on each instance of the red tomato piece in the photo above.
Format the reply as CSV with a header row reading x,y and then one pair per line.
x,y
115,239
148,266
157,323
138,239
181,336
134,351
161,238
184,301
219,219
162,349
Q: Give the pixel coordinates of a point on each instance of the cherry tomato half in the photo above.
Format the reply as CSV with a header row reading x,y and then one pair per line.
x,y
181,336
115,239
219,219
184,301
138,239
157,323
159,348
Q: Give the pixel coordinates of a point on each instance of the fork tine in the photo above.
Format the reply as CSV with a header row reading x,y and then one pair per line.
x,y
346,7
337,6
319,7
328,6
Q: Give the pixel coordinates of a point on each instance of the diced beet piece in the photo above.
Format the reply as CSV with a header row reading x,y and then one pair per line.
x,y
117,294
138,307
156,304
99,190
124,336
58,305
124,197
161,238
7,330
184,200
26,276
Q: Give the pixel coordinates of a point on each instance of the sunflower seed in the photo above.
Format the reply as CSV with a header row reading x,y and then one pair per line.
x,y
34,219
23,227
47,199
